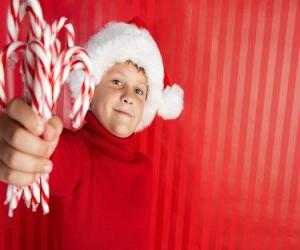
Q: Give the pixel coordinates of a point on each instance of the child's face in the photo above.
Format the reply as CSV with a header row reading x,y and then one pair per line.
x,y
122,88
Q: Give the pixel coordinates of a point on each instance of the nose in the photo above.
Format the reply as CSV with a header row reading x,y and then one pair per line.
x,y
126,98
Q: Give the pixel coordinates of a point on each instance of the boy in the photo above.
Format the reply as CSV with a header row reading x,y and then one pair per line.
x,y
100,185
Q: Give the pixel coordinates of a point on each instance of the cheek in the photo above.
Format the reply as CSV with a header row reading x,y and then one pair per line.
x,y
140,110
101,105
105,98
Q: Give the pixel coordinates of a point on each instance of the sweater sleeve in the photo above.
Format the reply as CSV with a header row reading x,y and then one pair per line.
x,y
69,160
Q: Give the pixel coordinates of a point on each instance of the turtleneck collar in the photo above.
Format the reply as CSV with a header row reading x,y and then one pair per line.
x,y
100,138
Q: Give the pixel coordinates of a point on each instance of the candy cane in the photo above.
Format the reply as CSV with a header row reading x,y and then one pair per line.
x,y
60,73
42,105
44,69
13,193
14,18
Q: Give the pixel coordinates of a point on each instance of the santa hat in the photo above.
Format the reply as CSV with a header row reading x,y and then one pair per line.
x,y
118,42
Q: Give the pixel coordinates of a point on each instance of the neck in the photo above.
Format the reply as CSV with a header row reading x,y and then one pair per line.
x,y
102,139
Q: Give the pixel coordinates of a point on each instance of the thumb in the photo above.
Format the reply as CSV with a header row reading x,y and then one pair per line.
x,y
53,129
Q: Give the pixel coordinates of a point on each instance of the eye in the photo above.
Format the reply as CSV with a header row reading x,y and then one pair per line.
x,y
117,82
139,91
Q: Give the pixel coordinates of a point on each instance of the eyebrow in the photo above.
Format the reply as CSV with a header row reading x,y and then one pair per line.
x,y
143,83
119,72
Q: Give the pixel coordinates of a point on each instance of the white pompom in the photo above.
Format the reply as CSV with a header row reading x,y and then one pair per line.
x,y
172,103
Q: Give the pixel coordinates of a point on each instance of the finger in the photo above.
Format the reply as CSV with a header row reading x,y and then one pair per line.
x,y
53,128
22,140
20,161
55,123
15,177
20,111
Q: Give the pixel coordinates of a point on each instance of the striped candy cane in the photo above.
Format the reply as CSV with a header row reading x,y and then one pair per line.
x,y
44,69
15,15
13,193
60,73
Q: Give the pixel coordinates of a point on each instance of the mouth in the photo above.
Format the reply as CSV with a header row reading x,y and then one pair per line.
x,y
123,112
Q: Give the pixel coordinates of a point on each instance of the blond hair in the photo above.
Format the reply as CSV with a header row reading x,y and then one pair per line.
x,y
140,69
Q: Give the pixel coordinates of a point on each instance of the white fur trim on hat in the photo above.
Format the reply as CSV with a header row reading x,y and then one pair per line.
x,y
118,42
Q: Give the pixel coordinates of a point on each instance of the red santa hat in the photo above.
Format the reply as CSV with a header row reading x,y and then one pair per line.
x,y
118,42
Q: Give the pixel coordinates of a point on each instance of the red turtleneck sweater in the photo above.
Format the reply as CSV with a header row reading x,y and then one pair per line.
x,y
100,190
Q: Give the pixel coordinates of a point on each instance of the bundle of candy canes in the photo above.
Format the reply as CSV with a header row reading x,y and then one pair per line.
x,y
45,66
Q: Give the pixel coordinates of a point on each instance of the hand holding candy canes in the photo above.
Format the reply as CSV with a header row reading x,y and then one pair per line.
x,y
45,66
24,149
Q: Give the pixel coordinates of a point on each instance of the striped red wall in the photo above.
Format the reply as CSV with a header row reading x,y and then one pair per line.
x,y
227,172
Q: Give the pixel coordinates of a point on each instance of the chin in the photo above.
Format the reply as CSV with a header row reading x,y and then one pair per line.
x,y
122,131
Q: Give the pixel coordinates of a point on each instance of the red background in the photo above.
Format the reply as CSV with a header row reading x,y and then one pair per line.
x,y
227,171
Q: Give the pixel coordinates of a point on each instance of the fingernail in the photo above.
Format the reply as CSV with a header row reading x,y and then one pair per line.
x,y
47,168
